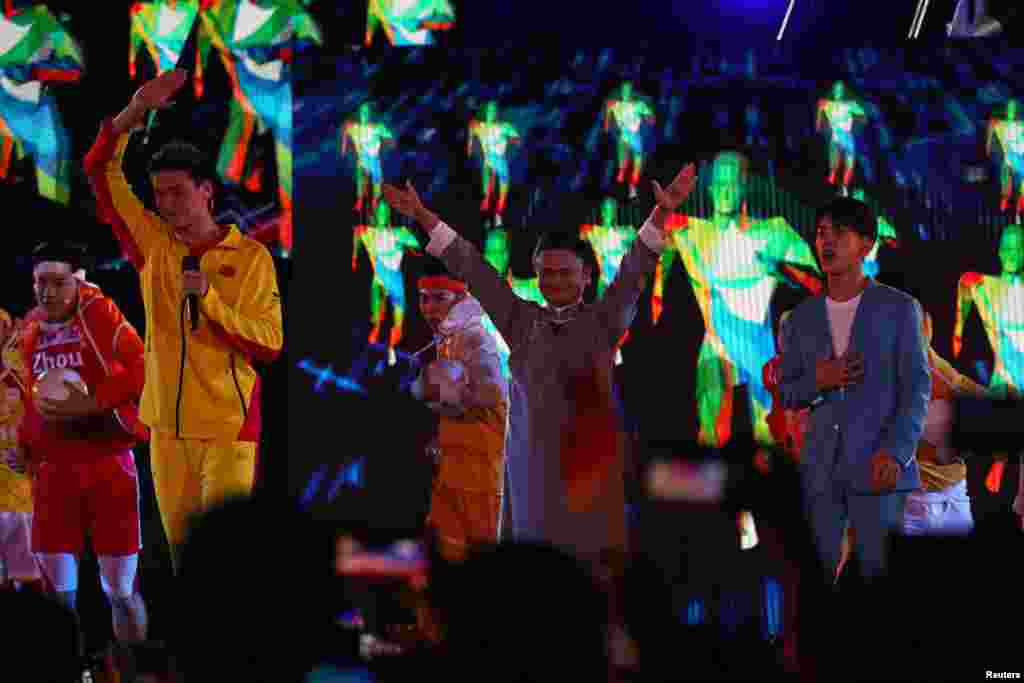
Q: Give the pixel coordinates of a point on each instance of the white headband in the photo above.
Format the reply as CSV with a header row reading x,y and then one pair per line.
x,y
55,267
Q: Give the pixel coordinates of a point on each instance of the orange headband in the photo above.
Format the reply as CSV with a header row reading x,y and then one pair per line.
x,y
442,282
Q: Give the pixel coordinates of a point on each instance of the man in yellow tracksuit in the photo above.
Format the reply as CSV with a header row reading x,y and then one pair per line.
x,y
201,396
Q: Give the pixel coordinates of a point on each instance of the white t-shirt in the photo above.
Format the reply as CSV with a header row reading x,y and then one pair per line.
x,y
840,320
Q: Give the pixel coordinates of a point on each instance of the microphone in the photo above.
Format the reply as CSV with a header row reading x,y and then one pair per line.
x,y
187,264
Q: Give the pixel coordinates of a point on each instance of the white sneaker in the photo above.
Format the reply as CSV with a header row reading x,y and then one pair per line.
x,y
392,356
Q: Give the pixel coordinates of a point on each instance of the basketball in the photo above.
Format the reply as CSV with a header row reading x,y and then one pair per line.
x,y
50,384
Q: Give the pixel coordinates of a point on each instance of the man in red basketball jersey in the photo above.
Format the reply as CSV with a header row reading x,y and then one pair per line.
x,y
79,437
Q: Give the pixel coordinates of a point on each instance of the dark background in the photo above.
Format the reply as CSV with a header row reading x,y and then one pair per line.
x,y
101,31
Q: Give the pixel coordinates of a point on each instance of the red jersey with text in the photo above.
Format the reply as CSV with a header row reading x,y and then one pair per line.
x,y
106,351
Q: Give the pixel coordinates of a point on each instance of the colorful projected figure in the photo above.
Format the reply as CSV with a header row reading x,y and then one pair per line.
x,y
36,52
1010,134
257,41
886,235
367,137
494,137
734,264
386,245
161,27
629,114
497,252
408,22
840,112
1000,302
610,242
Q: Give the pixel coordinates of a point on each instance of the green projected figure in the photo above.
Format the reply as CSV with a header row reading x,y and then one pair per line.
x,y
886,235
1000,302
408,22
629,113
257,41
840,112
1010,134
734,264
610,242
36,52
367,138
497,253
494,137
161,27
386,246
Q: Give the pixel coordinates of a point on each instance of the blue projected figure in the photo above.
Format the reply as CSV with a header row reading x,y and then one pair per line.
x,y
841,113
1010,134
161,27
36,52
408,22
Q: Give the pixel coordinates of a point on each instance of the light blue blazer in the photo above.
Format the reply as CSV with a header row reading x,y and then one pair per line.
x,y
885,410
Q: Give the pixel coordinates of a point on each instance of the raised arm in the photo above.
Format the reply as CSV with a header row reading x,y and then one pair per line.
x,y
511,315
965,289
821,114
343,137
617,308
136,227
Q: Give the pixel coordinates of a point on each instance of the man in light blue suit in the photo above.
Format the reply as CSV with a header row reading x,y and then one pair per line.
x,y
856,355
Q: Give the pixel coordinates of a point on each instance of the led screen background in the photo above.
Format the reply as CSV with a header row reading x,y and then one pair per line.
x,y
103,35
921,163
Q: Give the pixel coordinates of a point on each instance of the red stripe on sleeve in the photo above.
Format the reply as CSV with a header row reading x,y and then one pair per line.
x,y
96,161
253,425
251,350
